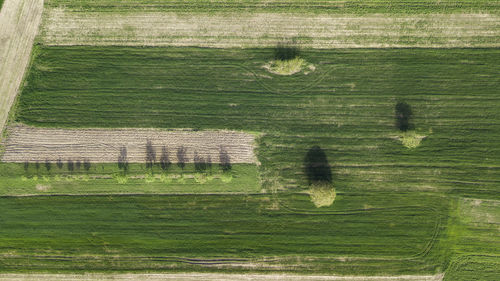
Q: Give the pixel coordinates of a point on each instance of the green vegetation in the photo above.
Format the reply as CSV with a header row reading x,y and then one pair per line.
x,y
346,106
388,232
322,195
32,178
286,67
302,6
475,243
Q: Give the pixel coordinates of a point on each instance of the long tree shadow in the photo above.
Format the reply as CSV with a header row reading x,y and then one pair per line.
x,y
317,168
122,159
403,116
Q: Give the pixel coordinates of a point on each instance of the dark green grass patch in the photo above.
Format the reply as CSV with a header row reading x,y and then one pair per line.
x,y
346,106
391,234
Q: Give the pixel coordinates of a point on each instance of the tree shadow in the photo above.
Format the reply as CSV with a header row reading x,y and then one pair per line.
x,y
122,159
200,164
224,159
164,159
48,165
317,168
286,51
150,155
181,157
86,164
71,165
403,116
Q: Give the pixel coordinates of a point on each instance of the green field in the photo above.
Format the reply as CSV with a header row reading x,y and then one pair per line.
x,y
346,106
408,138
308,6
19,179
391,236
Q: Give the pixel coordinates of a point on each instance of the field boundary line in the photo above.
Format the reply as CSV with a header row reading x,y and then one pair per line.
x,y
212,277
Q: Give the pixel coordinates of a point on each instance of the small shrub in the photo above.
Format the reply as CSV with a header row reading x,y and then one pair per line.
x,y
410,139
149,178
165,178
226,178
200,178
322,195
286,67
120,178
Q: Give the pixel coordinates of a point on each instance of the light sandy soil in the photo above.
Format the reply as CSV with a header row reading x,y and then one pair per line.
x,y
61,27
106,145
19,22
212,277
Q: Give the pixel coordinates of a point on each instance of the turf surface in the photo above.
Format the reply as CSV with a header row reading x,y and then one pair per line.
x,y
390,234
346,106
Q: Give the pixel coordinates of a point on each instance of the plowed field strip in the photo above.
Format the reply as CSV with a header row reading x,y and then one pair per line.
x,y
106,145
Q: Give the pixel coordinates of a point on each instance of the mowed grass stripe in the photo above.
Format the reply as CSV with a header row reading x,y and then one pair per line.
x,y
347,109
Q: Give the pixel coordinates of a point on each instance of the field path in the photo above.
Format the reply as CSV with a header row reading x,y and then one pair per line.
x,y
19,22
130,145
213,277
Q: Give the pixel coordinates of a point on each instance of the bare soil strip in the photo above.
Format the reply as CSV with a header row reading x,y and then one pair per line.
x,y
19,22
29,144
212,277
61,27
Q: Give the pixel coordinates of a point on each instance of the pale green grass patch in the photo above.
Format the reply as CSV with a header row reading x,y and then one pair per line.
x,y
288,67
410,139
322,195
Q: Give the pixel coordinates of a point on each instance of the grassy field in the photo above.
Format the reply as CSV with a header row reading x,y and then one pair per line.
x,y
22,179
302,6
381,233
346,106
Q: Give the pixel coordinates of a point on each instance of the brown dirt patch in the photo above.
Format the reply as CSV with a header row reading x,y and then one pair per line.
x,y
105,145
